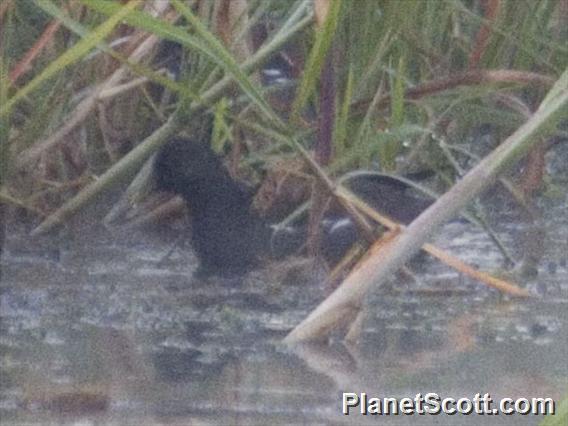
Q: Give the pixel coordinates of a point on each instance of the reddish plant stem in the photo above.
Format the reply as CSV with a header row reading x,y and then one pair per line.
x,y
490,11
467,78
24,65
323,150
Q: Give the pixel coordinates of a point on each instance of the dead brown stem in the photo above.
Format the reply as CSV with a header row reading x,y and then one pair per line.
x,y
467,78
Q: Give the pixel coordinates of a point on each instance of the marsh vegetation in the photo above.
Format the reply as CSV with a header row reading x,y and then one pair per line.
x,y
464,100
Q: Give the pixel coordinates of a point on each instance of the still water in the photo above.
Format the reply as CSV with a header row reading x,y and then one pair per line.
x,y
100,328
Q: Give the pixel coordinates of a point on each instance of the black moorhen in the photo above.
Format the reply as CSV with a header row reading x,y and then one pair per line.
x,y
229,237
226,234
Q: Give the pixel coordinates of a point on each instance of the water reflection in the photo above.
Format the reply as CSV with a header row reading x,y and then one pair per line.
x,y
105,332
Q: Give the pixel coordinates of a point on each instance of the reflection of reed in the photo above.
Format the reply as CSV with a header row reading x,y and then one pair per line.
x,y
388,353
335,362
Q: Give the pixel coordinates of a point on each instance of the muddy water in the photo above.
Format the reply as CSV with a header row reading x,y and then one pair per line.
x,y
99,329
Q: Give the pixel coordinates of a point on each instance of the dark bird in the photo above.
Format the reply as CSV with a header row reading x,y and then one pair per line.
x,y
228,236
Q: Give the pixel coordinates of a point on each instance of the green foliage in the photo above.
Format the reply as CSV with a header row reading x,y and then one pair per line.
x,y
560,417
221,131
68,57
381,48
322,43
341,130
